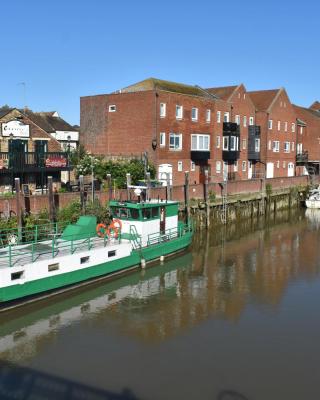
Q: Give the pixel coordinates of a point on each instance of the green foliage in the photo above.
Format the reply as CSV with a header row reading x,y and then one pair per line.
x,y
62,190
9,223
268,189
101,212
69,213
212,196
7,195
77,154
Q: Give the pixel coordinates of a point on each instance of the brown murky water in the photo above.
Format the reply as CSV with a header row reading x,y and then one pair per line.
x,y
235,318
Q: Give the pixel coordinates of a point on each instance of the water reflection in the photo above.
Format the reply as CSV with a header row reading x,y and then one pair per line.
x,y
218,279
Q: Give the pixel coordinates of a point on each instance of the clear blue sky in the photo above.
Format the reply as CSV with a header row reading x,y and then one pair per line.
x,y
64,49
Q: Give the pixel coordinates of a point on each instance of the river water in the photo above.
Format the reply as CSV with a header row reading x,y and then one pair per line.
x,y
235,318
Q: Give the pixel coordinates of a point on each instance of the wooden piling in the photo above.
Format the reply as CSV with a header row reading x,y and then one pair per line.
x,y
51,200
148,181
206,197
18,206
168,187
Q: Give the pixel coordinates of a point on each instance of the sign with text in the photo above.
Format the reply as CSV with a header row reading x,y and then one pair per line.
x,y
16,129
56,162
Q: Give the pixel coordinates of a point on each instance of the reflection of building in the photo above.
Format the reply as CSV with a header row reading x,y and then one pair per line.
x,y
27,151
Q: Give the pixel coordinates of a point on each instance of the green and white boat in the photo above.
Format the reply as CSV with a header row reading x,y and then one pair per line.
x,y
51,258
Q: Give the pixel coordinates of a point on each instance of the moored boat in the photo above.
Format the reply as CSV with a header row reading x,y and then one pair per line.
x,y
313,199
50,258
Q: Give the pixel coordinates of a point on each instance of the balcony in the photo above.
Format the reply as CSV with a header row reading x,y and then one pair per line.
x,y
231,141
16,162
302,158
254,143
199,156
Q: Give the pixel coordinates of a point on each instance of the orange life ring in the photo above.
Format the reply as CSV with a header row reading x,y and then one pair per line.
x,y
101,230
115,222
113,231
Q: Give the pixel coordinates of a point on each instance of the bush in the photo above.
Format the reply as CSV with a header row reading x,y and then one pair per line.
x,y
70,213
268,189
212,196
101,212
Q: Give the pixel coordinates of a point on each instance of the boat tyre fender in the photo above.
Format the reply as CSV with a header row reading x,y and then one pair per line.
x,y
101,230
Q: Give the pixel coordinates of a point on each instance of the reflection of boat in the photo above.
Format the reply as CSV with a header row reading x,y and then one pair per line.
x,y
313,200
313,216
50,317
45,258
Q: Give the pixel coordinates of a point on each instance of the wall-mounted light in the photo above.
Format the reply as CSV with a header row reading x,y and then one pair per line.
x,y
154,144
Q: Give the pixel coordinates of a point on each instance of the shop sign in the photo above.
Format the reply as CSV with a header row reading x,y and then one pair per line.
x,y
15,129
56,162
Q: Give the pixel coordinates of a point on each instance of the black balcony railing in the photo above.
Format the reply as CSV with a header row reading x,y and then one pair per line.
x,y
302,158
32,162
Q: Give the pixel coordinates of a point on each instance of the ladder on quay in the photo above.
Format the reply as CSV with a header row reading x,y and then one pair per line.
x,y
224,209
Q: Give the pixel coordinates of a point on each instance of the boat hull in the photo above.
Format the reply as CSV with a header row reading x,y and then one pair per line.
x,y
70,279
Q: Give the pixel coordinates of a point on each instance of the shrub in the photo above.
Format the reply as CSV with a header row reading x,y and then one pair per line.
x,y
268,189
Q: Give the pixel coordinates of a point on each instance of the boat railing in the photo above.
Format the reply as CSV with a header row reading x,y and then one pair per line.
x,y
29,252
168,234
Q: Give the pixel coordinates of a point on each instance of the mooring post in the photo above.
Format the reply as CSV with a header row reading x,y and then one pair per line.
x,y
109,182
81,184
168,186
128,185
51,200
186,195
206,196
18,206
148,179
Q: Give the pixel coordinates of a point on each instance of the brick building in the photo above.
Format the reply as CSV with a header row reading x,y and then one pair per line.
x,y
28,152
277,120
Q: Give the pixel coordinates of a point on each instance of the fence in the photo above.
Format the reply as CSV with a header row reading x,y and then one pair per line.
x,y
35,203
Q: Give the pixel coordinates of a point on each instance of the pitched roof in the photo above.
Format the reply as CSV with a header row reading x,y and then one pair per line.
x,y
305,113
315,106
262,99
224,92
48,122
154,84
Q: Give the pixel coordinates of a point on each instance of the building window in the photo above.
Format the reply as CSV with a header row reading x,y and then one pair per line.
x,y
299,148
218,117
200,142
208,115
292,146
163,110
237,119
235,166
287,147
251,121
244,165
194,114
233,143
179,112
193,166
275,146
175,141
286,126
244,144
279,125
162,139
180,166
270,124
226,117
257,145
293,127
244,121
218,167
112,108
225,143
278,164
218,140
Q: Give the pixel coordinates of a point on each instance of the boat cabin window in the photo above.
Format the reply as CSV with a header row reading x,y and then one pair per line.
x,y
84,260
53,267
134,213
125,213
155,212
17,275
111,253
146,213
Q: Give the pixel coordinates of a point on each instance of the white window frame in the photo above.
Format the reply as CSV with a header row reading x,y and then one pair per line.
x,y
218,167
235,166
175,136
257,145
286,147
237,119
292,146
179,111
269,145
218,142
194,111
276,146
235,147
270,123
279,125
163,110
284,164
286,126
180,166
301,130
251,121
299,148
218,117
226,116
162,139
208,115
200,138
244,121
293,127
278,164
225,143
112,108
